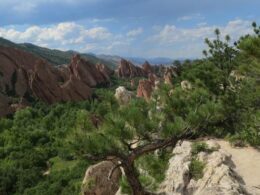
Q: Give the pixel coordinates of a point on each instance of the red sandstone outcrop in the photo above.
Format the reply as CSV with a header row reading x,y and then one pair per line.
x,y
145,89
104,70
24,75
169,74
153,78
147,68
127,70
88,72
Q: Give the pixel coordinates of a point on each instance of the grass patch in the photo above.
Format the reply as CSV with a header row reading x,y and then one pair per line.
x,y
126,189
198,147
196,169
57,164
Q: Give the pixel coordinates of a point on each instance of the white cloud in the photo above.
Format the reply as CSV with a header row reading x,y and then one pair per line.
x,y
166,41
103,20
99,33
189,42
69,35
196,16
135,32
172,34
68,32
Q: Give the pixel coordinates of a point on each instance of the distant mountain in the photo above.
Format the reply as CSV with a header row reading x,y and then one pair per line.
x,y
112,58
137,60
54,56
157,60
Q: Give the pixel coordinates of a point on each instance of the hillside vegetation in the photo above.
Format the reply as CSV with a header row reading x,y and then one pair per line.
x,y
46,149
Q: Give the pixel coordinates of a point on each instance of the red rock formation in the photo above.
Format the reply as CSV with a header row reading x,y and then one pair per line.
x,y
127,70
147,68
87,72
145,89
22,75
169,74
104,70
153,78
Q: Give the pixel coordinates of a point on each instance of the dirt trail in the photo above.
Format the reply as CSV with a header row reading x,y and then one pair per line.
x,y
247,164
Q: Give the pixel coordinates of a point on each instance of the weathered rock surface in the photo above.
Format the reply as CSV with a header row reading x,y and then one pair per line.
x,y
123,96
169,74
147,68
186,85
128,70
24,75
97,181
92,75
219,178
145,89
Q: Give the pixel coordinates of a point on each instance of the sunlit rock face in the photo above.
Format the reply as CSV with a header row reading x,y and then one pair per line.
x,y
25,76
128,70
218,176
98,179
145,89
147,67
186,85
123,96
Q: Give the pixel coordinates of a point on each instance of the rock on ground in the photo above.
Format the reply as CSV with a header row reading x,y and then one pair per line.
x,y
123,96
97,181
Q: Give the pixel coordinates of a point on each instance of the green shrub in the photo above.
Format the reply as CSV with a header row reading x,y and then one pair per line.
x,y
198,147
196,169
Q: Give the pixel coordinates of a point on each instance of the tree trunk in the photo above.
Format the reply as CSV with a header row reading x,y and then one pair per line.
x,y
132,178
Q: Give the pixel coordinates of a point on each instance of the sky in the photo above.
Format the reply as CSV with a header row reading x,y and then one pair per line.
x,y
129,28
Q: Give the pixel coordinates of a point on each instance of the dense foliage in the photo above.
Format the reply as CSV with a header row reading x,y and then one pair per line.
x,y
46,149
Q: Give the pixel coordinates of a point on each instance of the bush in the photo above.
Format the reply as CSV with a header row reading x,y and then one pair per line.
x,y
196,169
198,147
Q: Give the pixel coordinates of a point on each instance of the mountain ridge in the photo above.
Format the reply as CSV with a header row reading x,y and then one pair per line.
x,y
53,56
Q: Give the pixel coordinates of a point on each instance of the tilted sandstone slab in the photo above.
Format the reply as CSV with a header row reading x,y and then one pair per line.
x,y
145,89
128,70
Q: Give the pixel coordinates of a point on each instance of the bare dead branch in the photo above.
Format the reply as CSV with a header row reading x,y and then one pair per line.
x,y
113,170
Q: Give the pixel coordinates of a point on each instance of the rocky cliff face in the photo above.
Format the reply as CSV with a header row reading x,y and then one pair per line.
x,y
24,76
127,70
145,89
218,175
147,68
